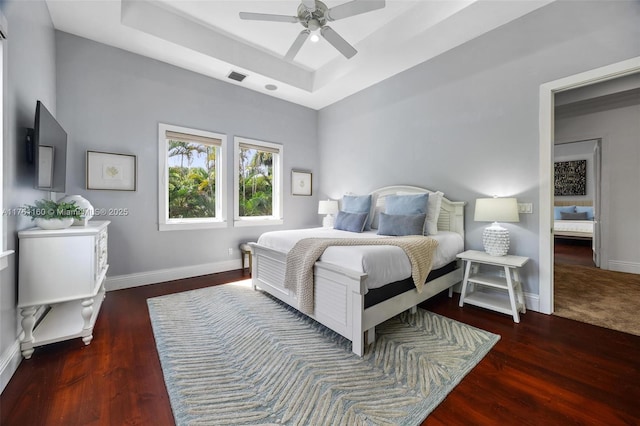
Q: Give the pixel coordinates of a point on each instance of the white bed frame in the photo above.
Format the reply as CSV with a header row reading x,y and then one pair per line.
x,y
339,292
577,235
573,235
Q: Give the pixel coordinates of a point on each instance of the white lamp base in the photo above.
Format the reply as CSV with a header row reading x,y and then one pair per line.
x,y
495,239
328,221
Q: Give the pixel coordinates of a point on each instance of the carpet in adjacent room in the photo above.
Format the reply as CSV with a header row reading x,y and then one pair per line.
x,y
599,297
231,355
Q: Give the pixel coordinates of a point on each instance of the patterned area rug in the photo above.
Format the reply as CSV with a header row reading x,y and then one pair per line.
x,y
231,355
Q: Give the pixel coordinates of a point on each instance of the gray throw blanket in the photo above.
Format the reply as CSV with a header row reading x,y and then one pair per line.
x,y
302,257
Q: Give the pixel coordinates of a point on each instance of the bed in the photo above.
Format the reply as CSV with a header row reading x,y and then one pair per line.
x,y
350,296
573,219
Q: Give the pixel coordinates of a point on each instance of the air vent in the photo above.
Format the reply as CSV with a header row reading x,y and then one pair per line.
x,y
236,76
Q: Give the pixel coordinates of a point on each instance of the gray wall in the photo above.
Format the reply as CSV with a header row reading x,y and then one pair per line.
x,y
30,73
619,129
111,100
466,122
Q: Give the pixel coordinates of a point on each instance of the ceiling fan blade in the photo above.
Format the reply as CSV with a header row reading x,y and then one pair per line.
x,y
310,5
268,17
354,7
338,42
297,45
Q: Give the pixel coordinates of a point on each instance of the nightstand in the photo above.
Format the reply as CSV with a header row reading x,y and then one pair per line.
x,y
499,293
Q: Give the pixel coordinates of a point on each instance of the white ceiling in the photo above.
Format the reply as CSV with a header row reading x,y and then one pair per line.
x,y
208,37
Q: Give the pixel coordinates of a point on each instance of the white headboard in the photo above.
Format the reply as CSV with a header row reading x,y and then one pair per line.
x,y
451,216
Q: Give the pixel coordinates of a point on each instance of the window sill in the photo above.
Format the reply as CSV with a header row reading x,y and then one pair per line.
x,y
185,226
257,222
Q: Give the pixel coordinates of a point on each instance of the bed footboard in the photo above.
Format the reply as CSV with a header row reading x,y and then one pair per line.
x,y
339,295
338,292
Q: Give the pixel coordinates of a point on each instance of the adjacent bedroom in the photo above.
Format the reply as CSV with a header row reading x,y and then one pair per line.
x,y
595,236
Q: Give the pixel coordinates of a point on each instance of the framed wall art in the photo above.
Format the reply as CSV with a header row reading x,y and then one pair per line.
x,y
300,183
106,170
570,177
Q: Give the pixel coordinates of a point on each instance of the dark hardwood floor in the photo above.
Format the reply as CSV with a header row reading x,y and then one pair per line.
x,y
573,252
544,371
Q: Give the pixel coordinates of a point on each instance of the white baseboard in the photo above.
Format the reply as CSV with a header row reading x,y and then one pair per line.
x,y
532,302
120,282
622,266
9,362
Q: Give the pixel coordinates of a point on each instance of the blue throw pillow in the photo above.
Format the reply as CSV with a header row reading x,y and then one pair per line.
x,y
406,204
585,209
352,222
562,209
357,204
398,225
573,216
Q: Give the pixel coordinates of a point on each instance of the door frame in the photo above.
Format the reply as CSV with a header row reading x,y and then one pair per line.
x,y
546,133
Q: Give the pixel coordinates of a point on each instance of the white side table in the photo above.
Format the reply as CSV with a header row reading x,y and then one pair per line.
x,y
509,297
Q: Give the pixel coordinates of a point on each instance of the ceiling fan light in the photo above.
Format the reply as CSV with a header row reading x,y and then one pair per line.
x,y
313,24
314,38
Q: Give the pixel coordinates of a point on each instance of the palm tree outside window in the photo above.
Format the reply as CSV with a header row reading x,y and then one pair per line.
x,y
191,178
258,182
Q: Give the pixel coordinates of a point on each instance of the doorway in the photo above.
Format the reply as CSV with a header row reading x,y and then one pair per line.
x,y
546,119
576,204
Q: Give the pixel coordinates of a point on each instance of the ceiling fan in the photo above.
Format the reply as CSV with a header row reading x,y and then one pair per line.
x,y
314,15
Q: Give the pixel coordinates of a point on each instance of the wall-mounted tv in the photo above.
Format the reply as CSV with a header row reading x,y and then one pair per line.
x,y
49,151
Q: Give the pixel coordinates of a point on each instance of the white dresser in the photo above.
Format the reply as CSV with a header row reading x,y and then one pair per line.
x,y
63,271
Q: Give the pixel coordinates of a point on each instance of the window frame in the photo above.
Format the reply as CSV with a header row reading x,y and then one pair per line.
x,y
276,218
164,222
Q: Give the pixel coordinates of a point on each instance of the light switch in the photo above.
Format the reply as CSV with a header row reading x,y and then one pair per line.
x,y
525,207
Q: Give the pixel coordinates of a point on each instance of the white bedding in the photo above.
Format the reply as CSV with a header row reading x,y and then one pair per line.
x,y
581,226
383,264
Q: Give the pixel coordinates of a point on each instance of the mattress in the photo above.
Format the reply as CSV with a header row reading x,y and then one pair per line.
x,y
573,226
383,264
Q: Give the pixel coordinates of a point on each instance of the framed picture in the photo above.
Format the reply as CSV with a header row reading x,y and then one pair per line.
x,y
107,170
570,178
300,183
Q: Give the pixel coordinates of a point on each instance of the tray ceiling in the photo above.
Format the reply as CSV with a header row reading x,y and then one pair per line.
x,y
208,37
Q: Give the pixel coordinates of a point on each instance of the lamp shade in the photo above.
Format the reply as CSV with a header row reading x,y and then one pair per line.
x,y
496,210
328,207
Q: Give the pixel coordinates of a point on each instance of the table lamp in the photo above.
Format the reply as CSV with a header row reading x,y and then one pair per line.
x,y
495,238
329,208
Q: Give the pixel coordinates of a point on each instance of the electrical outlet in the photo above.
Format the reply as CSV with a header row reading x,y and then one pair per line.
x,y
230,251
525,208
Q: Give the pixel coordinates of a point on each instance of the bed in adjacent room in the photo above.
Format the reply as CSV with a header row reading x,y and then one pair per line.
x,y
363,281
573,220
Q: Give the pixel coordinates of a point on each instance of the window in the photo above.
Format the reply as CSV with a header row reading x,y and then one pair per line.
x,y
191,178
258,182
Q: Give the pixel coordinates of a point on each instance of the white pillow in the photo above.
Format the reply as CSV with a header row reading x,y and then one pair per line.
x,y
377,209
433,210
